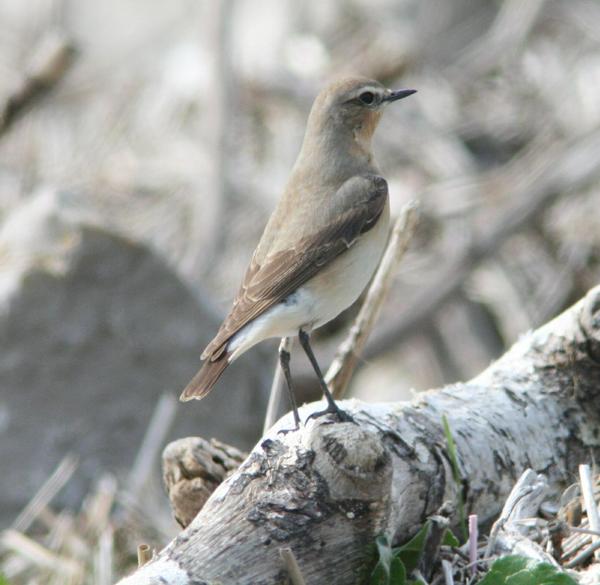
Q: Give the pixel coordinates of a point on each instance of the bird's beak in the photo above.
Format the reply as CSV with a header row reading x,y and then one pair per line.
x,y
398,95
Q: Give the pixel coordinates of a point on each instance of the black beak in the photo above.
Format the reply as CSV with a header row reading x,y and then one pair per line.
x,y
398,95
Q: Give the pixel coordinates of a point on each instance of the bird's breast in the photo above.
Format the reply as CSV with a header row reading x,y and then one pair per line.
x,y
342,281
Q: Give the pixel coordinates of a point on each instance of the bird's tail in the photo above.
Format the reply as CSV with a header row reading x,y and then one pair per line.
x,y
205,378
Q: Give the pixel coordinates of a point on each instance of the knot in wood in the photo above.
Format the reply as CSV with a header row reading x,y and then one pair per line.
x,y
353,461
192,469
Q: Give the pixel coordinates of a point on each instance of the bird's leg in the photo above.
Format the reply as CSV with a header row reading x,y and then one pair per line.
x,y
332,407
284,361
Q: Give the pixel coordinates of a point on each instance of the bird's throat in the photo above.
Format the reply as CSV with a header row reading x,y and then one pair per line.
x,y
363,135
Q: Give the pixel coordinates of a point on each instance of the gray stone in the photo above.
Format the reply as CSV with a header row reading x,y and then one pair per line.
x,y
87,347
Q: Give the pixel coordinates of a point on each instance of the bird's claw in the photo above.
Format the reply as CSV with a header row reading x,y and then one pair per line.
x,y
296,425
286,431
338,413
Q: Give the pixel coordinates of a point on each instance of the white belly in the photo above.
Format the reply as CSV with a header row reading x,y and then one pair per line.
x,y
323,297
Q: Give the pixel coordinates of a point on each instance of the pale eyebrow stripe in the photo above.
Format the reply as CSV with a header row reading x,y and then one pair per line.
x,y
370,88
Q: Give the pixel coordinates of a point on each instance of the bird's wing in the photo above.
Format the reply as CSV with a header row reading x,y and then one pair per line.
x,y
362,200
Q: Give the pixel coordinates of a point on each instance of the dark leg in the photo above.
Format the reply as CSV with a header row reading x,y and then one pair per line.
x,y
284,360
332,407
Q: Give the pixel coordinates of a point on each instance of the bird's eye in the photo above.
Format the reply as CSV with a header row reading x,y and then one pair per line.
x,y
367,97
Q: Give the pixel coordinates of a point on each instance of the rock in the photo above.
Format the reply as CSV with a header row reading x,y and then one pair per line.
x,y
89,341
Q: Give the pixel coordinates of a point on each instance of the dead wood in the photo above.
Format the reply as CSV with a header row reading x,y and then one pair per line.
x,y
327,490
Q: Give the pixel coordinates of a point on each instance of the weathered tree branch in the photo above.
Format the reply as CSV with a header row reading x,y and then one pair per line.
x,y
327,490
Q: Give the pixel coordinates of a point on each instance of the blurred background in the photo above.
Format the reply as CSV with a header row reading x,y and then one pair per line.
x,y
142,148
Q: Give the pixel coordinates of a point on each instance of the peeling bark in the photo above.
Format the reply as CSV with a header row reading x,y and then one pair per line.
x,y
327,490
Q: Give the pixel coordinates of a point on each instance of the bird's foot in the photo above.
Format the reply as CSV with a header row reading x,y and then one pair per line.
x,y
296,424
286,431
335,411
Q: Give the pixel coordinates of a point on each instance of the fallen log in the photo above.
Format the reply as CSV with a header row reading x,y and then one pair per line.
x,y
326,491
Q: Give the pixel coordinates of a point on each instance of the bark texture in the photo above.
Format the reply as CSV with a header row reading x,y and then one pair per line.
x,y
192,469
327,490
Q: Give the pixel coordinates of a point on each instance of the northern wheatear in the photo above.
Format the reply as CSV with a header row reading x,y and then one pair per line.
x,y
322,243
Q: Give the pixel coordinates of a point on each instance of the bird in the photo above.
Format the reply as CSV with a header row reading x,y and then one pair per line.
x,y
322,243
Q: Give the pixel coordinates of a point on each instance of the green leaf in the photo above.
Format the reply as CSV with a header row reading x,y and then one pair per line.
x,y
389,569
449,539
456,476
517,570
384,551
378,576
397,573
410,552
395,564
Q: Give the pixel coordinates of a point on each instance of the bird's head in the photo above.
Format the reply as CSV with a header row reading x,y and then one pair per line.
x,y
353,105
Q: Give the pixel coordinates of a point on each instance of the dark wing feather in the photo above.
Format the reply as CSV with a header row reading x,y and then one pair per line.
x,y
284,272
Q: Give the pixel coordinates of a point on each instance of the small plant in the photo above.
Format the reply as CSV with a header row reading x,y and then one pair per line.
x,y
517,570
456,476
396,565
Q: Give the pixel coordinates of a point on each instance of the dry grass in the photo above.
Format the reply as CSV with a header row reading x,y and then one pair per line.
x,y
101,541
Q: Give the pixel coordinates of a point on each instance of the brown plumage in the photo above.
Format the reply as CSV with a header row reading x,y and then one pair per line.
x,y
264,286
333,201
206,377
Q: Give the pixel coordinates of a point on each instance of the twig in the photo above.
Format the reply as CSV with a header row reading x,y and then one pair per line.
x,y
438,526
38,555
144,554
587,490
276,388
46,493
582,556
104,558
97,513
345,360
572,539
473,538
583,530
574,543
287,556
160,424
448,573
530,485
50,61
61,529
